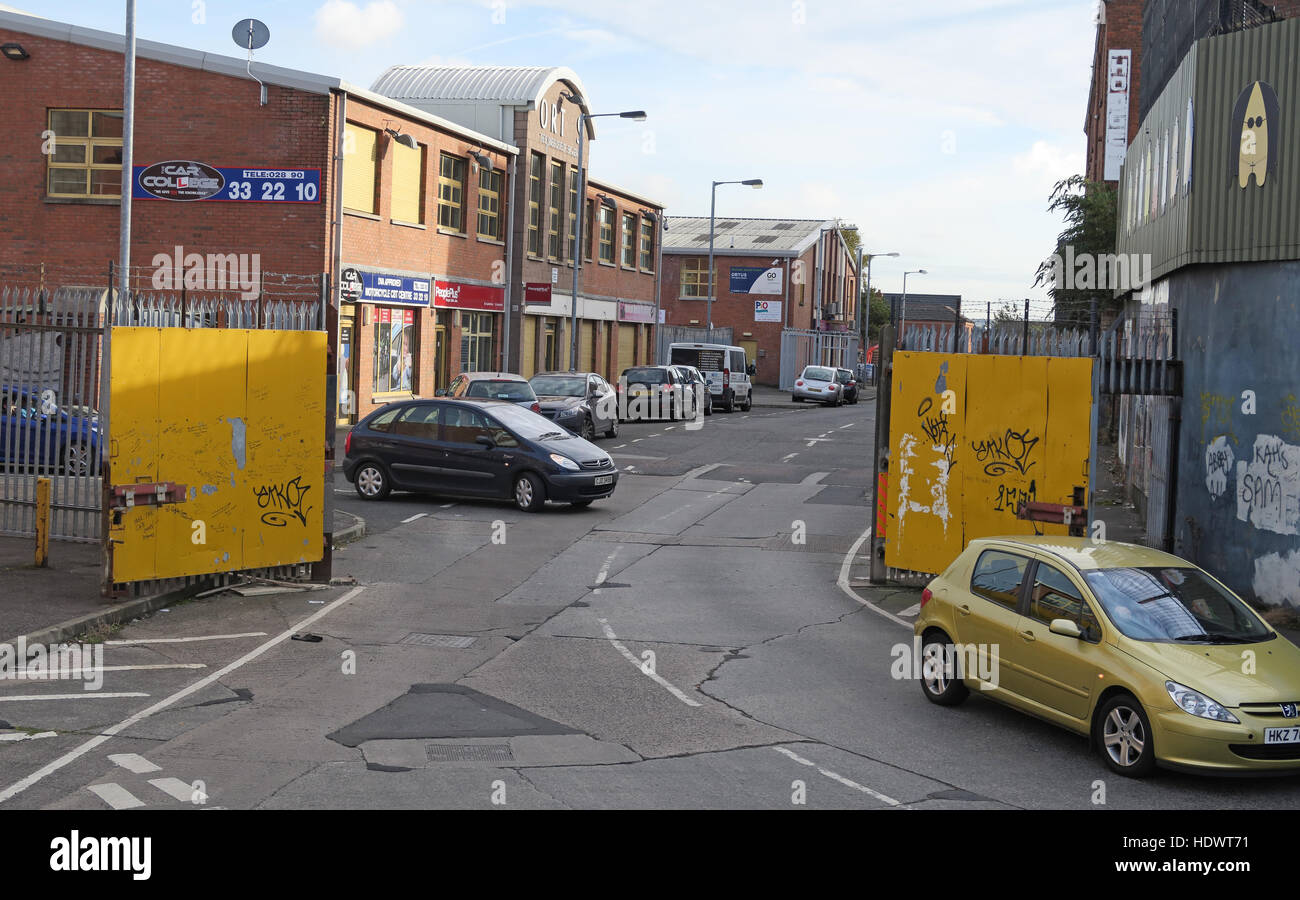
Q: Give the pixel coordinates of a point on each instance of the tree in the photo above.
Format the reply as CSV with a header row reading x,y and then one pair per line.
x,y
877,315
1089,210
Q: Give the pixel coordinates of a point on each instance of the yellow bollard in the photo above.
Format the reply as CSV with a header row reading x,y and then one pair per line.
x,y
42,521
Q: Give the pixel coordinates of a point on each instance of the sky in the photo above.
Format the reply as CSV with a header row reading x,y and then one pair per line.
x,y
938,128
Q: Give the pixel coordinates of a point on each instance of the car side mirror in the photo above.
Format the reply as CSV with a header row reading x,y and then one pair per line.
x,y
485,441
1065,628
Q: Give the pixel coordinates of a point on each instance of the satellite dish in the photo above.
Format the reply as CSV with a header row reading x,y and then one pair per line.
x,y
251,34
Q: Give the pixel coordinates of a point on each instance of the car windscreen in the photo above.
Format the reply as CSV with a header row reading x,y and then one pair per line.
x,y
646,376
501,390
816,373
527,424
1173,604
702,359
844,375
559,385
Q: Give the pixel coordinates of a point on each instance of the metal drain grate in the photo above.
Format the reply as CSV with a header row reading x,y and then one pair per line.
x,y
470,753
455,641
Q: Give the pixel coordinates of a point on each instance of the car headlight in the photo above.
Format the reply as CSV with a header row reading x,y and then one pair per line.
x,y
564,462
1197,704
573,412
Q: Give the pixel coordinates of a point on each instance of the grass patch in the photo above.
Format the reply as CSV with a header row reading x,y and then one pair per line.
x,y
99,633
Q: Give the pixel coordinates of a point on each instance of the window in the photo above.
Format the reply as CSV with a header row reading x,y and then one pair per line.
x,y
360,169
394,361
384,421
87,157
535,205
573,213
588,229
489,203
451,193
998,577
464,426
419,421
553,211
477,339
647,244
408,184
606,234
1056,597
629,240
695,277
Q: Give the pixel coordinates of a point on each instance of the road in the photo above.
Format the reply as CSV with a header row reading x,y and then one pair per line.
x,y
687,643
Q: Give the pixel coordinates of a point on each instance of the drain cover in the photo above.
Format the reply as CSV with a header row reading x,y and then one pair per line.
x,y
455,641
470,753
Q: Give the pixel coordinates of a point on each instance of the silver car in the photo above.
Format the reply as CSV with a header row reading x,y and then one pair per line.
x,y
818,383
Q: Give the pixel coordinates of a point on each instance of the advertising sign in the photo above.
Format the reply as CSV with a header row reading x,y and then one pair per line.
x,y
635,312
537,294
183,179
767,311
756,280
350,285
1118,75
394,289
455,295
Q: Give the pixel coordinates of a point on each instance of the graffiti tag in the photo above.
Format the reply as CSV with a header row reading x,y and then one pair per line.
x,y
1010,496
283,501
1268,494
1218,466
1003,454
936,429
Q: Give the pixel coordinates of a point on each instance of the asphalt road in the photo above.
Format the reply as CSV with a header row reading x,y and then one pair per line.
x,y
687,643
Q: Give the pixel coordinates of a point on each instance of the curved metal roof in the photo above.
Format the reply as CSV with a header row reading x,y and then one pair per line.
x,y
515,85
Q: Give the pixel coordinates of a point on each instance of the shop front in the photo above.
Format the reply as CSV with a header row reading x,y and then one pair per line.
x,y
380,340
635,322
473,313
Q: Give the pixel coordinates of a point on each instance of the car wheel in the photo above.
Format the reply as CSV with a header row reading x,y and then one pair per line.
x,y
729,402
938,683
708,404
612,430
1123,732
749,402
530,492
372,482
76,459
588,432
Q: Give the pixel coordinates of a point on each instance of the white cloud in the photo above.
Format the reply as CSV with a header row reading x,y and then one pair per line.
x,y
1049,161
344,24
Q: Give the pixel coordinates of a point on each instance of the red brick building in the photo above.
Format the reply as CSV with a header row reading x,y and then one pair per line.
x,y
323,178
1112,118
772,278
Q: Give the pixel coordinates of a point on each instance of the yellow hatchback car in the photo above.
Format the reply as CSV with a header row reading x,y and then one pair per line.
x,y
1146,654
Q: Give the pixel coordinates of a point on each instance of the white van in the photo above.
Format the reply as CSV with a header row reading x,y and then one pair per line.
x,y
725,368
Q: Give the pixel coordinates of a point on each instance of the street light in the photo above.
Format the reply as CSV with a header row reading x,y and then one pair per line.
x,y
902,327
865,322
755,183
635,115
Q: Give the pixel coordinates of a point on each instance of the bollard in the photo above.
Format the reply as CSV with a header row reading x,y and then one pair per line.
x,y
42,521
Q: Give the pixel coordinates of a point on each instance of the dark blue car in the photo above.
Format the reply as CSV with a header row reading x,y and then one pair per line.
x,y
35,432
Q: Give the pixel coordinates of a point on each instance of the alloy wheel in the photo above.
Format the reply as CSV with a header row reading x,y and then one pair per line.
x,y
1123,736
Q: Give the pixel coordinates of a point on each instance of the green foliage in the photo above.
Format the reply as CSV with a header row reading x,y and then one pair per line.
x,y
877,315
1089,209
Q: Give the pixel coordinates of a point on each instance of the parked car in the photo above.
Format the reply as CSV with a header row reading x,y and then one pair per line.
x,y
36,432
703,396
493,386
1138,650
818,383
474,448
850,383
652,392
725,369
582,402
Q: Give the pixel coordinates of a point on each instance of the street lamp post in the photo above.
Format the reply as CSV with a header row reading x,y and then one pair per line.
x,y
902,327
755,183
636,115
864,320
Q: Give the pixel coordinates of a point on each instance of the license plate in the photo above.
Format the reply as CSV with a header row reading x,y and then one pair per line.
x,y
1289,735
815,390
609,479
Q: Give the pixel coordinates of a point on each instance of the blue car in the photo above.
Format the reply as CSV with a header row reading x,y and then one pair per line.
x,y
36,432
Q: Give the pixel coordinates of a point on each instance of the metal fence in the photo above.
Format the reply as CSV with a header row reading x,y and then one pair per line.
x,y
815,348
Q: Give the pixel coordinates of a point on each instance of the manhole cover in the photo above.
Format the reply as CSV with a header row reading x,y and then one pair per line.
x,y
455,641
470,753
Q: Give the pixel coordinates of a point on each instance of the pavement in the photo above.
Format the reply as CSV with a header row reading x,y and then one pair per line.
x,y
62,601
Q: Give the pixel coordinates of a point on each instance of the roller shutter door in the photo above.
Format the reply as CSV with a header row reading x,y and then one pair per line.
x,y
626,347
529,356
586,343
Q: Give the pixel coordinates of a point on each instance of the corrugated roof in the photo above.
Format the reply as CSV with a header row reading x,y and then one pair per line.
x,y
745,237
503,84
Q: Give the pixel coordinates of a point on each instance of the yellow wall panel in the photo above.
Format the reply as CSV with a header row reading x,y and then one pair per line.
x,y
134,444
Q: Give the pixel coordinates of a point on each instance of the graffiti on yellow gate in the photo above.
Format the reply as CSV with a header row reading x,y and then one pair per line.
x,y
236,417
974,436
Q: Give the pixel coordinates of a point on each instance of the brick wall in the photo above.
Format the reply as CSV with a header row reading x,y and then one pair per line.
x,y
1122,31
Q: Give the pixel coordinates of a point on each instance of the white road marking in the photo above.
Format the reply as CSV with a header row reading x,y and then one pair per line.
x,y
447,506
413,518
88,695
701,471
789,456
604,570
850,425
637,440
174,787
133,762
635,456
115,796
817,440
620,446
814,477
670,428
185,640
911,612
653,676
108,733
77,673
24,736
840,778
843,582
650,435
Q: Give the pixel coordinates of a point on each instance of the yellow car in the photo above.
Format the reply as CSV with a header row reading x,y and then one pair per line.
x,y
1146,654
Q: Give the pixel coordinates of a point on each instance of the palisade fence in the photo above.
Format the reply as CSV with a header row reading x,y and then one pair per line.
x,y
800,348
51,342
